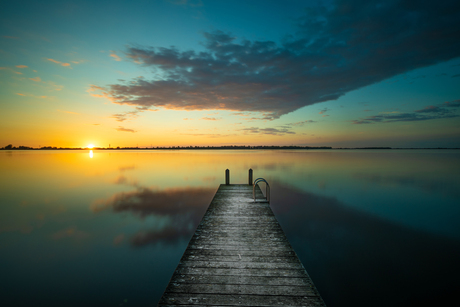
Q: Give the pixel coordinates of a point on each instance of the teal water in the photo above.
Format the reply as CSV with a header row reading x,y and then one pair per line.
x,y
107,228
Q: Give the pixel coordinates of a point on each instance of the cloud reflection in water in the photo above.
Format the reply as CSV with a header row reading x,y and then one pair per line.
x,y
184,208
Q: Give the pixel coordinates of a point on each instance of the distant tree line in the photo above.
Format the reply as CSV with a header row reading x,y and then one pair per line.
x,y
11,147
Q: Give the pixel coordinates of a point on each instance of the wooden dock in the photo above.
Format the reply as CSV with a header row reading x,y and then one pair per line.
x,y
240,256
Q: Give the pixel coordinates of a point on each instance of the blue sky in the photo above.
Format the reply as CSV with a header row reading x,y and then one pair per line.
x,y
165,73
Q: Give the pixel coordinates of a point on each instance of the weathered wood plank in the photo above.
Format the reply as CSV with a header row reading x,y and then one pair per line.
x,y
240,289
242,280
243,272
239,258
241,265
239,255
239,300
242,253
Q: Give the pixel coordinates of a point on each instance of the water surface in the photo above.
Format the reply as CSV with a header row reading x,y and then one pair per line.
x,y
107,228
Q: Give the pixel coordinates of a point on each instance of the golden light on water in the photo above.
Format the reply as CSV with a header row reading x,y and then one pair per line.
x,y
91,154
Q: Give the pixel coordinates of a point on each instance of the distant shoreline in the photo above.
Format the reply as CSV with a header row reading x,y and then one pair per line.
x,y
224,148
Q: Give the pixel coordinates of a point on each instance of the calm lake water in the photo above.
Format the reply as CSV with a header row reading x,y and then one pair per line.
x,y
107,228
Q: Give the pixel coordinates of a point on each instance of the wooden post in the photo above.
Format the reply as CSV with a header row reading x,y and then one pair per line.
x,y
227,177
250,176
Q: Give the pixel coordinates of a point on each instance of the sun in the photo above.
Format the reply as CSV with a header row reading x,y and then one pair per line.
x,y
90,146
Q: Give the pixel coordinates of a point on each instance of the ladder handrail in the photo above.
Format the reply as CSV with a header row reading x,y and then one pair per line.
x,y
267,189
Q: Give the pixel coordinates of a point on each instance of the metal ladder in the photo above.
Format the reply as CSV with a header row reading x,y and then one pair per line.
x,y
267,191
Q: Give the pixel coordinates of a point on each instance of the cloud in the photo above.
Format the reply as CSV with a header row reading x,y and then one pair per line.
x,y
120,117
36,79
337,49
30,95
452,104
11,70
270,131
120,128
445,110
115,56
302,123
60,63
79,61
21,66
210,118
324,111
432,109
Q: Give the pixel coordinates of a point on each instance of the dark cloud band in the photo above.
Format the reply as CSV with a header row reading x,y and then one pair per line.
x,y
339,48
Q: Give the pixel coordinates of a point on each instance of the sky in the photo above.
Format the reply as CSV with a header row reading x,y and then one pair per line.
x,y
210,73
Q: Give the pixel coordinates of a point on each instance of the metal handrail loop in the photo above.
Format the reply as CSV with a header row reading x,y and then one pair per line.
x,y
267,189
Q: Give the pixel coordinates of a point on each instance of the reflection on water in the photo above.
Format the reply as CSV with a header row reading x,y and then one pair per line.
x,y
108,229
356,258
177,211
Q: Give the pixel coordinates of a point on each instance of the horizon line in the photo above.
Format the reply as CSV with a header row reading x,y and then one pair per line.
x,y
234,147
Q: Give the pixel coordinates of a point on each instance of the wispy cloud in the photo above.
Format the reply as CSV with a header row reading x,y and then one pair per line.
x,y
120,117
210,118
21,66
36,79
60,63
11,70
270,131
445,110
30,95
130,114
337,49
115,56
324,111
122,129
302,123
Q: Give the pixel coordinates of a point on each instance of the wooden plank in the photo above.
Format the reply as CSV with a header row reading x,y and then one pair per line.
x,y
242,272
239,255
242,280
242,265
220,288
238,300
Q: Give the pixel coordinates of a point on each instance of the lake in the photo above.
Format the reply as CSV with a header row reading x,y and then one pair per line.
x,y
108,227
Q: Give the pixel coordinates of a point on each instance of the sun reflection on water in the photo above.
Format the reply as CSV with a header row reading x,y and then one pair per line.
x,y
91,154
